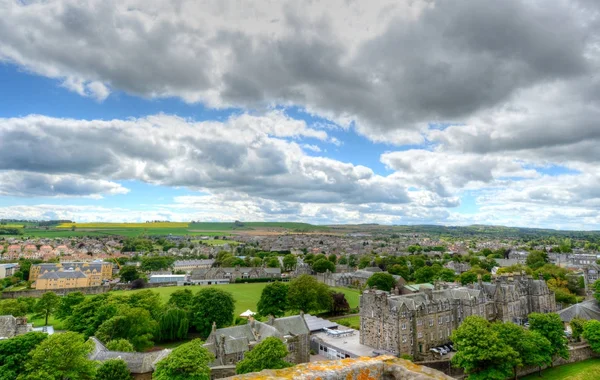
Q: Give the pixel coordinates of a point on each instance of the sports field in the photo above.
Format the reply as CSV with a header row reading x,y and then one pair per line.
x,y
246,295
585,370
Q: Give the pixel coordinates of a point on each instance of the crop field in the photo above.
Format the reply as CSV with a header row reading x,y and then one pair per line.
x,y
125,225
246,295
585,370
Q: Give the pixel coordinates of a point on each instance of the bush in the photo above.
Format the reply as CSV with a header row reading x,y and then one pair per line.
x,y
252,280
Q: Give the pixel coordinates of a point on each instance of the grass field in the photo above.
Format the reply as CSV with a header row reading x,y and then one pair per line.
x,y
39,322
585,370
352,322
124,225
245,295
219,242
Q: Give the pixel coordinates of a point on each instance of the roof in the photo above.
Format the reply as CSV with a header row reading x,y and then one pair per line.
x,y
137,362
317,324
293,325
62,274
586,310
417,287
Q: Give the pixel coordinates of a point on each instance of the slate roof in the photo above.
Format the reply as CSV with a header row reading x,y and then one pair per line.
x,y
586,310
317,324
62,274
294,324
137,362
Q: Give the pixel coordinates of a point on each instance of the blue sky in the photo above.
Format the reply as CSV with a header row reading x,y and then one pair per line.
x,y
201,113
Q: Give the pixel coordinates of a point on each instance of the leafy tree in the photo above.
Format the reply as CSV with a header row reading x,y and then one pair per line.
x,y
591,333
148,300
14,353
156,263
323,265
332,258
550,326
268,354
290,262
67,303
273,262
89,314
134,324
447,275
173,325
424,275
13,307
352,261
211,305
340,304
343,260
364,262
577,324
129,273
467,277
121,345
273,299
187,362
399,270
181,298
140,283
307,294
113,369
596,287
61,356
46,305
481,352
137,245
382,280
532,348
536,259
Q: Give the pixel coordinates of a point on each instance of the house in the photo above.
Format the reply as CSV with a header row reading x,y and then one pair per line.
x,y
96,271
230,344
138,363
62,279
357,278
224,275
7,270
189,265
587,310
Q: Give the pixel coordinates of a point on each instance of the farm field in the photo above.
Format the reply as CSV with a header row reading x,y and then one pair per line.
x,y
245,295
585,370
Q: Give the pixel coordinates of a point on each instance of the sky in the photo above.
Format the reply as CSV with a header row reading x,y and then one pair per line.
x,y
394,112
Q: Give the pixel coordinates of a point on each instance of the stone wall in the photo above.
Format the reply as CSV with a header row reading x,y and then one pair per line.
x,y
60,292
381,367
222,371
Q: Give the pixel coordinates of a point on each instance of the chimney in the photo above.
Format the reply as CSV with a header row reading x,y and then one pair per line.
x,y
214,327
271,320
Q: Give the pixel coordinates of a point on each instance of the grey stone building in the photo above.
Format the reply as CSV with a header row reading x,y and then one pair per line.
x,y
229,344
414,323
356,278
12,326
221,275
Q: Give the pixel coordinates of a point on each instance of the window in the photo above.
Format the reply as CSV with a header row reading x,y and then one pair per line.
x,y
430,322
440,320
481,310
404,326
420,335
431,336
404,338
448,332
447,318
419,322
412,341
440,334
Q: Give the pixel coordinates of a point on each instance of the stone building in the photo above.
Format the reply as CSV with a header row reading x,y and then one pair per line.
x,y
12,326
414,323
357,278
220,275
62,279
229,344
96,271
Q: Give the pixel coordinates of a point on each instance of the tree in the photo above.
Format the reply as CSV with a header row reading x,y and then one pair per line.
x,y
140,283
128,273
181,298
307,294
14,353
332,258
596,287
273,299
134,324
382,280
550,326
89,314
268,354
424,275
187,362
67,303
532,348
447,275
173,325
273,262
323,265
211,305
577,325
156,263
343,260
399,270
46,305
340,304
113,369
13,307
121,345
591,333
467,277
536,259
364,262
289,262
61,356
481,352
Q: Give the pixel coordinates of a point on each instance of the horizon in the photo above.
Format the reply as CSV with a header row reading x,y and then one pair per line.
x,y
400,113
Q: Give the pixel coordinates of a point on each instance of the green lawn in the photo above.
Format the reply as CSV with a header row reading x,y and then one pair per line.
x,y
352,322
245,295
585,370
39,322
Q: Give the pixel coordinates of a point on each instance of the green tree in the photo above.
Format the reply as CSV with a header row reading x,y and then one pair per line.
x,y
399,270
268,354
181,298
382,280
289,262
591,333
120,344
46,306
113,369
307,294
467,277
343,260
187,362
273,299
481,352
447,275
156,263
332,258
364,262
173,325
536,259
134,324
67,303
59,357
323,265
273,262
211,305
89,314
128,273
13,307
577,324
596,287
424,275
14,353
550,326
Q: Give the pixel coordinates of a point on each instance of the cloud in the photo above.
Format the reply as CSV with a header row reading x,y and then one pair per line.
x,y
388,69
